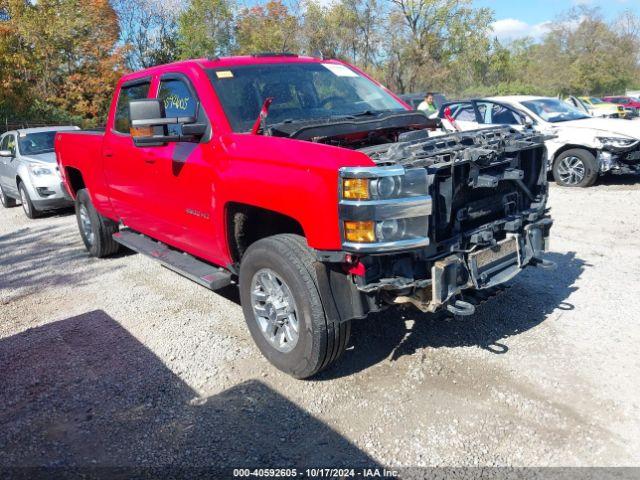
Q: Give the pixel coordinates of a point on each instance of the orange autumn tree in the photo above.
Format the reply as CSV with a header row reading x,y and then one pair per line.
x,y
13,65
67,55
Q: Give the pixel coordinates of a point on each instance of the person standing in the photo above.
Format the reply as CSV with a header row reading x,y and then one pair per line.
x,y
427,106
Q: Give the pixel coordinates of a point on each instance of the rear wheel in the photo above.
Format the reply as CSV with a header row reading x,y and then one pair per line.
x,y
96,231
7,202
27,205
575,168
283,310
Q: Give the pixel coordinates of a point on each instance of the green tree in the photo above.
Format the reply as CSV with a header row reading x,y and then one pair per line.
x,y
581,54
267,28
205,29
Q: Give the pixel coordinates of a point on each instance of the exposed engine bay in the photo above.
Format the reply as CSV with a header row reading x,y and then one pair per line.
x,y
476,177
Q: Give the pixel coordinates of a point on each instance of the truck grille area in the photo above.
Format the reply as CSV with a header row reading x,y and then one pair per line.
x,y
475,178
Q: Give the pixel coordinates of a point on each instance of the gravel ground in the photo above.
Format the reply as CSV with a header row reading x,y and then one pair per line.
x,y
122,362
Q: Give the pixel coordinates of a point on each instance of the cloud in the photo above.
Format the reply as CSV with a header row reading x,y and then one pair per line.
x,y
511,29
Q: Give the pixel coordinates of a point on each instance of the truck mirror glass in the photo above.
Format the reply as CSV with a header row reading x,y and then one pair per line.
x,y
146,109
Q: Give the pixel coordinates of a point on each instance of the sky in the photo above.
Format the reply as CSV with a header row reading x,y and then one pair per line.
x,y
521,18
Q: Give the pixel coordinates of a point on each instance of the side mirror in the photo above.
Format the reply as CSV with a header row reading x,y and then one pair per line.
x,y
149,125
6,153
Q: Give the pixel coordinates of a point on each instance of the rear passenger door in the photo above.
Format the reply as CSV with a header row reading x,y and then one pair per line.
x,y
125,165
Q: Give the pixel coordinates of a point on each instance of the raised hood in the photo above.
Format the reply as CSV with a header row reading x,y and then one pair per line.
x,y
604,126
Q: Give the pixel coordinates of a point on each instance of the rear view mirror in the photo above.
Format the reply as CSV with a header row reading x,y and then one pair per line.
x,y
6,153
149,125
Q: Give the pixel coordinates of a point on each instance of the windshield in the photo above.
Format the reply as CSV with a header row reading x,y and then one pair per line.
x,y
554,110
36,143
596,101
300,91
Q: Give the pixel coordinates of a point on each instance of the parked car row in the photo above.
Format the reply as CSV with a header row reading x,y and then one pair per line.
x,y
580,147
304,181
606,107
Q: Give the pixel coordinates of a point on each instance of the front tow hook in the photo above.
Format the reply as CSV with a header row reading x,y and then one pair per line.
x,y
460,307
544,264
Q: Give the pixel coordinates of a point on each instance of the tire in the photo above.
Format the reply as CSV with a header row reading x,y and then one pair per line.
x,y
7,202
27,205
576,168
320,340
96,231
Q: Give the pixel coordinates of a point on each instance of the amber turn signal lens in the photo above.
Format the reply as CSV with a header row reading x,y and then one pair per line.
x,y
361,232
141,131
355,189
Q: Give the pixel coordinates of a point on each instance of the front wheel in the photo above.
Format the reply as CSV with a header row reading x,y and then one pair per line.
x,y
96,231
575,168
27,205
283,310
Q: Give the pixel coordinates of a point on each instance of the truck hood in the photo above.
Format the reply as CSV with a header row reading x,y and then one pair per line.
x,y
48,158
601,127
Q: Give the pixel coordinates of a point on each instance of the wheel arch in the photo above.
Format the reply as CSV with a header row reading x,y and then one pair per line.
x,y
245,224
74,180
570,146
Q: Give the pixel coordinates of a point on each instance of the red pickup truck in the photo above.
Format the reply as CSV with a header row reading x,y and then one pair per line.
x,y
311,186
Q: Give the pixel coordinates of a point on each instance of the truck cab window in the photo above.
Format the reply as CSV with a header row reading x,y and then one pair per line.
x,y
128,93
178,100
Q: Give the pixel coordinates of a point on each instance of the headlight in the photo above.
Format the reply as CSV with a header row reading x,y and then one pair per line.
x,y
383,183
617,142
384,208
38,170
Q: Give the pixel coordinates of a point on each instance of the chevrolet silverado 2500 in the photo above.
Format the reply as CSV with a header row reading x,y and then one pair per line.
x,y
311,186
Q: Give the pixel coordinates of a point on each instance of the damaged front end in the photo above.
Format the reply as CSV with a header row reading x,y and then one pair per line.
x,y
441,223
619,155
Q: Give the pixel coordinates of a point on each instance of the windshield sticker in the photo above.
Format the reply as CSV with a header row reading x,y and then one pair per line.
x,y
339,70
224,74
174,101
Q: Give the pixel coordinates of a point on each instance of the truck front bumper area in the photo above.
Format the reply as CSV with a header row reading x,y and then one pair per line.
x,y
489,267
445,281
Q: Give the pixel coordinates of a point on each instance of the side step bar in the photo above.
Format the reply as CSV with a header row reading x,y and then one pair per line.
x,y
190,267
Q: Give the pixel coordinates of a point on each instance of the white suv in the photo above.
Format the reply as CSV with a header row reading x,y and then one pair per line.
x,y
580,147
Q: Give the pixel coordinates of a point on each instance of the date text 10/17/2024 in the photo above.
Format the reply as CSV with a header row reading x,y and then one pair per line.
x,y
315,473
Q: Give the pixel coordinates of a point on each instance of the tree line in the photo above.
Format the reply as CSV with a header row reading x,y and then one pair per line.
x,y
60,59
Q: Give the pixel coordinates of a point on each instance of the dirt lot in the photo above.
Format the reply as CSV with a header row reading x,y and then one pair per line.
x,y
122,362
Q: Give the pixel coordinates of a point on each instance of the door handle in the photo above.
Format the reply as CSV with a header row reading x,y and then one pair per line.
x,y
108,153
150,161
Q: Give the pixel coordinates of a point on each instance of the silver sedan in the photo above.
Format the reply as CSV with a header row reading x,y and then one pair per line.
x,y
29,172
